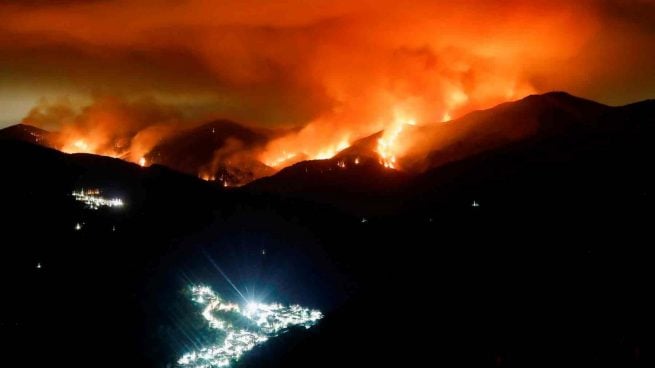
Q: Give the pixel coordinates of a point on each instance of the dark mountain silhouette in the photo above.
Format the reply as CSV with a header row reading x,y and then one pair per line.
x,y
212,149
25,133
589,165
550,114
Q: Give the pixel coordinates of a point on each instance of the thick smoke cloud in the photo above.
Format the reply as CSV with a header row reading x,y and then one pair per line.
x,y
340,69
108,126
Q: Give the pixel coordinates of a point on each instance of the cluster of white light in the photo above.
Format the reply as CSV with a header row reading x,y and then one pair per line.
x,y
268,321
93,200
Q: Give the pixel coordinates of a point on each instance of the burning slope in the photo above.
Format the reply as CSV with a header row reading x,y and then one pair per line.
x,y
390,112
146,133
231,154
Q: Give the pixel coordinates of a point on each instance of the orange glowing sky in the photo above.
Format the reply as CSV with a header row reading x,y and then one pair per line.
x,y
334,70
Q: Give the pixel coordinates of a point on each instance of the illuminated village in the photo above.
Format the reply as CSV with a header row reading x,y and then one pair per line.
x,y
268,320
93,199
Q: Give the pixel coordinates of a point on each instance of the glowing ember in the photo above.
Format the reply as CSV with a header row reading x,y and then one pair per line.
x,y
93,200
268,320
142,162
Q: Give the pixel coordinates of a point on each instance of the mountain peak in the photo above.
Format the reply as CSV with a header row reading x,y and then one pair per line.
x,y
26,133
561,97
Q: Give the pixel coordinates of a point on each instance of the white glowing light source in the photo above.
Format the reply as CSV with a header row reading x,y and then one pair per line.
x,y
270,320
252,307
93,200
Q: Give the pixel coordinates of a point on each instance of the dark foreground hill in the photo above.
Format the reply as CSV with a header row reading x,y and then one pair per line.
x,y
112,280
552,265
532,252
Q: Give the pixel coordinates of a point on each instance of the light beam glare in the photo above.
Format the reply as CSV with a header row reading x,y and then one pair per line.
x,y
224,275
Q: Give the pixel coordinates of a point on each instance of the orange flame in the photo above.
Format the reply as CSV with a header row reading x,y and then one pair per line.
x,y
388,145
291,156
